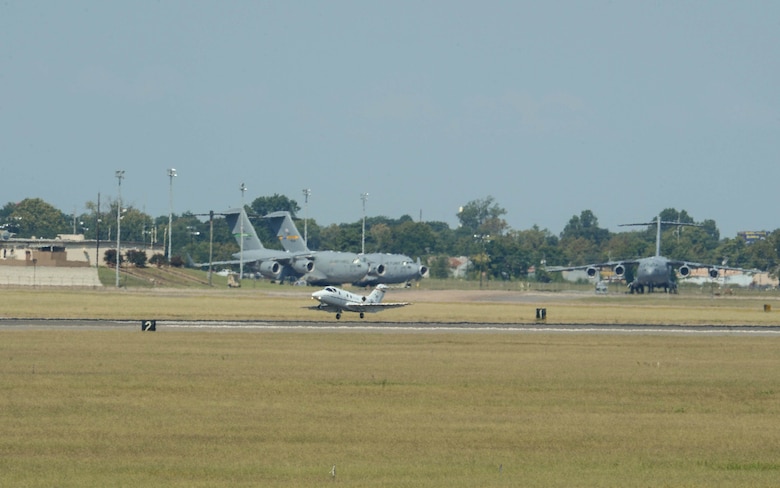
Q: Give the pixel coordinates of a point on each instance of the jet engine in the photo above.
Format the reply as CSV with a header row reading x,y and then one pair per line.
x,y
303,266
271,269
591,271
713,272
619,270
378,270
423,270
684,270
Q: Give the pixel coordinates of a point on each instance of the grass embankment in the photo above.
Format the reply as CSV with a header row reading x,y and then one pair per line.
x,y
120,408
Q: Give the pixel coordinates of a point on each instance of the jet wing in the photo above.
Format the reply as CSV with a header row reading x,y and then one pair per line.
x,y
610,264
719,267
373,307
281,257
713,268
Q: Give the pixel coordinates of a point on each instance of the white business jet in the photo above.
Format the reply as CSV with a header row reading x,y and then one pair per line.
x,y
336,300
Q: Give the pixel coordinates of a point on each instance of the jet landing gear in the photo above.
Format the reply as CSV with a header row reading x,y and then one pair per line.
x,y
635,287
338,315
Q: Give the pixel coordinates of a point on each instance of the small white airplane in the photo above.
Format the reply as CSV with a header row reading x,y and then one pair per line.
x,y
336,300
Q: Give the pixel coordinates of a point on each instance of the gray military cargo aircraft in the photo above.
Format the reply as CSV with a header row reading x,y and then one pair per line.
x,y
315,267
391,268
654,271
270,263
382,268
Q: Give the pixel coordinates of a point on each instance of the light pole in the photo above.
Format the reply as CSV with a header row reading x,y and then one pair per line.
x,y
171,174
211,241
306,193
483,258
243,189
364,197
120,173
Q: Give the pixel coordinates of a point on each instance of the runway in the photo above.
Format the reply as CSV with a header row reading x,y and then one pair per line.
x,y
384,327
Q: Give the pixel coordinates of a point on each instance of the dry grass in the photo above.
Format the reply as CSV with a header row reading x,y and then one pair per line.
x,y
183,408
120,408
273,302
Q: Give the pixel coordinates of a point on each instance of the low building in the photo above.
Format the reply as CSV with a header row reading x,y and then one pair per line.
x,y
67,250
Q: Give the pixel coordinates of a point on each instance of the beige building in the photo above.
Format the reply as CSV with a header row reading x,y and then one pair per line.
x,y
67,250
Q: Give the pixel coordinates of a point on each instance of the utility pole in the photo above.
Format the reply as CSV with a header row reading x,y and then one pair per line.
x,y
364,197
243,189
171,174
306,193
97,234
120,173
211,241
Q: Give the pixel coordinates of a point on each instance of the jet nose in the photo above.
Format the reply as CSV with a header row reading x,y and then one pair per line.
x,y
317,295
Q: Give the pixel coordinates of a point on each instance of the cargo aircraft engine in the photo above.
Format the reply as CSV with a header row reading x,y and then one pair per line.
x,y
684,270
620,270
377,270
303,266
271,269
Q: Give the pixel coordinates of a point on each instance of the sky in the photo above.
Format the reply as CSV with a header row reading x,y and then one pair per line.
x,y
551,108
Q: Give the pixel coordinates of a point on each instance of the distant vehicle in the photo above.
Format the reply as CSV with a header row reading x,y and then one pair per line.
x,y
336,300
654,271
601,288
382,267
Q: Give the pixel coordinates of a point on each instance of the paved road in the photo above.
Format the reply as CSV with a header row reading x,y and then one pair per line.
x,y
384,327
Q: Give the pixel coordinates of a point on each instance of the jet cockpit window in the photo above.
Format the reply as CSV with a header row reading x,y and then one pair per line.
x,y
332,290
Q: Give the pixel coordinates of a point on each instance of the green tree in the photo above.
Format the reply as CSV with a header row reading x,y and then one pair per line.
x,y
413,239
508,260
761,254
540,245
627,245
136,258
35,218
109,257
276,203
586,226
672,215
482,217
381,236
344,237
6,211
439,268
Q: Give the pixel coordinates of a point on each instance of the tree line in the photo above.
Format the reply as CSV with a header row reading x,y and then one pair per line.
x,y
496,250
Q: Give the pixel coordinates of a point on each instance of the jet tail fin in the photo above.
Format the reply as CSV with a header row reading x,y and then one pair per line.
x,y
242,228
286,232
377,295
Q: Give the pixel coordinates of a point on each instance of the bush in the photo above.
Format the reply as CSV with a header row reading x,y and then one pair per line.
x,y
137,258
158,260
109,257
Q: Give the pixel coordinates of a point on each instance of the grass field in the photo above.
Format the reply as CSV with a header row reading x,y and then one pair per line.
x,y
121,408
274,302
183,408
